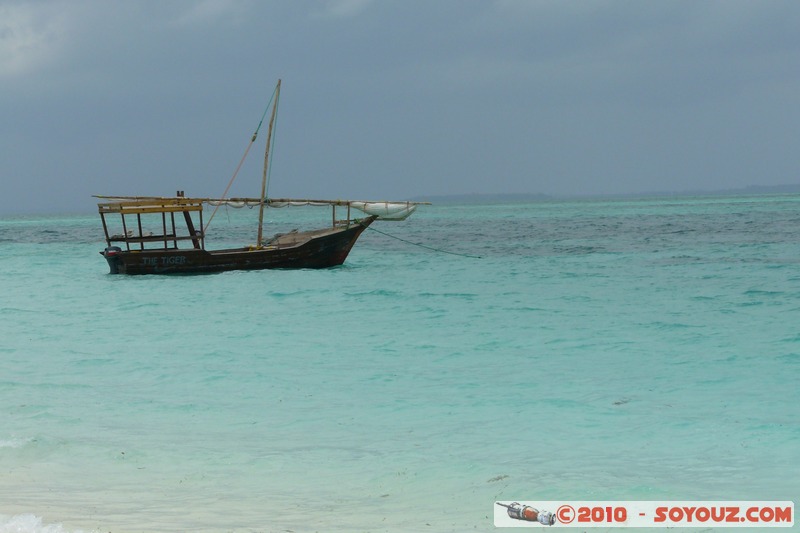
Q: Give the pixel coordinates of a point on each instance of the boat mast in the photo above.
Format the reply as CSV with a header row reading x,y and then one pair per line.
x,y
261,202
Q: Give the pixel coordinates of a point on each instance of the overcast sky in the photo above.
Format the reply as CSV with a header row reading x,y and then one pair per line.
x,y
393,99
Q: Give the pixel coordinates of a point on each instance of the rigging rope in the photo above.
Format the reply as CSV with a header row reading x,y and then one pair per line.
x,y
424,246
239,166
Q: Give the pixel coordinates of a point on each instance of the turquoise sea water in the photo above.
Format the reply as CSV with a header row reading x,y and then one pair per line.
x,y
597,350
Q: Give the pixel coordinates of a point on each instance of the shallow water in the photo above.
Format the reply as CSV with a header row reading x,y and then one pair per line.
x,y
597,350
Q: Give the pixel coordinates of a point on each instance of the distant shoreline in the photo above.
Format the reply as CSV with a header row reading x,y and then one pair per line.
x,y
475,198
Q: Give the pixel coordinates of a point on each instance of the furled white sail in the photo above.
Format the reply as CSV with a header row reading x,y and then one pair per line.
x,y
297,203
386,210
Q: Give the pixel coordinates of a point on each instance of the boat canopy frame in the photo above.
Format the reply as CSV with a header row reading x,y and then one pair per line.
x,y
137,206
134,234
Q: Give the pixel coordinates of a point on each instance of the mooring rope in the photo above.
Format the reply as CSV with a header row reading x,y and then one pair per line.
x,y
424,246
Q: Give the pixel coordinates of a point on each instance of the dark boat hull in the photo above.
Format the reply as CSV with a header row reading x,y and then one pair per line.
x,y
315,249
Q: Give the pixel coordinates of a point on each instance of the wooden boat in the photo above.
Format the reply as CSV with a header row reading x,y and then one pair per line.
x,y
178,243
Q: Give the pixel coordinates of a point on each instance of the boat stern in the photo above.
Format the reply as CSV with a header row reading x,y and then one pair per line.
x,y
111,253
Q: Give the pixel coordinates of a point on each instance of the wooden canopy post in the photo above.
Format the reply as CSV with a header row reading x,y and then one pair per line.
x,y
190,227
